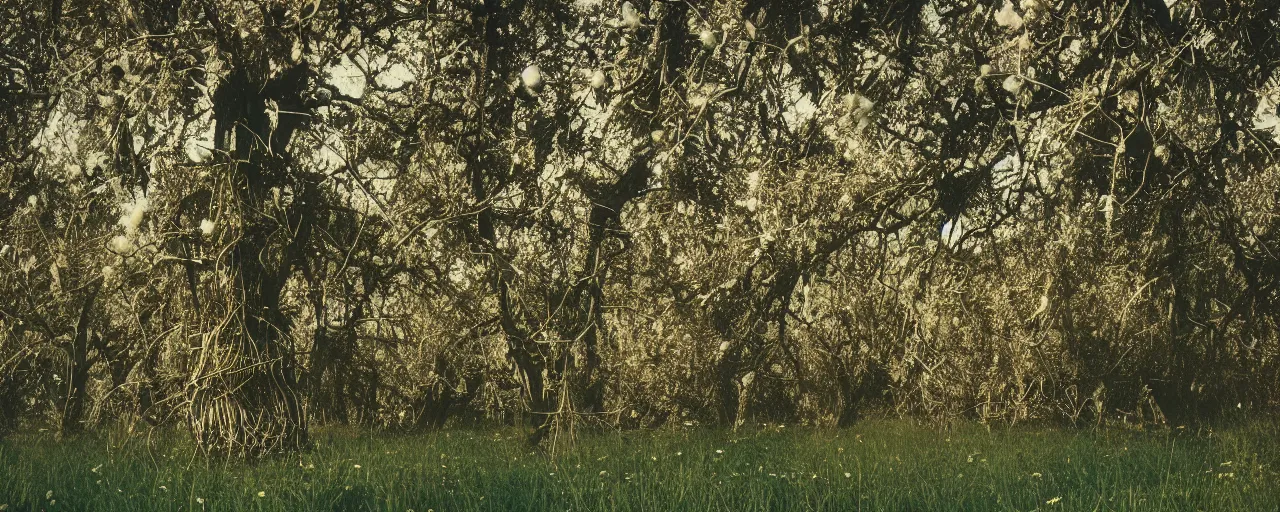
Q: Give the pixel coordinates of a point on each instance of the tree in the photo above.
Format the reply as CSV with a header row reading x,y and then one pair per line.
x,y
253,215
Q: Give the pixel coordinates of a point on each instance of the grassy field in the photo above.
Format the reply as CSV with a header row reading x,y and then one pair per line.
x,y
884,465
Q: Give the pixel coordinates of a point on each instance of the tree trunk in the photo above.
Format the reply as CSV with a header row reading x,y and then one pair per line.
x,y
247,402
78,372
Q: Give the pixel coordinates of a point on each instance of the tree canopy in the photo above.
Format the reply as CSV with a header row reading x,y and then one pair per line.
x,y
246,216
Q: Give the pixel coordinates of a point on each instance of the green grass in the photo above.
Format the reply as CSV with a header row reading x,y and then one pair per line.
x,y
883,465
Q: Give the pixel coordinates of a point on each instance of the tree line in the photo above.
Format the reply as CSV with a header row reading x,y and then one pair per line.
x,y
251,216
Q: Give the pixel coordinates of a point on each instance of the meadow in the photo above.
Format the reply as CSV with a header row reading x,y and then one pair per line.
x,y
876,465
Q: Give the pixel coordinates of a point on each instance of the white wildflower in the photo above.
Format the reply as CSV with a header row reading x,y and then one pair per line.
x,y
206,227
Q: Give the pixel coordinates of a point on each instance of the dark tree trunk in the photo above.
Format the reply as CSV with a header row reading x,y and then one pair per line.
x,y
485,172
267,390
857,390
604,225
78,372
727,384
437,401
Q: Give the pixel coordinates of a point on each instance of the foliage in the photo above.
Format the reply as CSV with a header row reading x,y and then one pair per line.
x,y
247,216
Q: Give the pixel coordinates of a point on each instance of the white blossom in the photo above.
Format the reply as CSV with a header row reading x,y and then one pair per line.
x,y
1013,84
861,109
531,78
131,218
206,227
1007,17
598,79
630,16
121,245
198,151
709,38
1024,41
